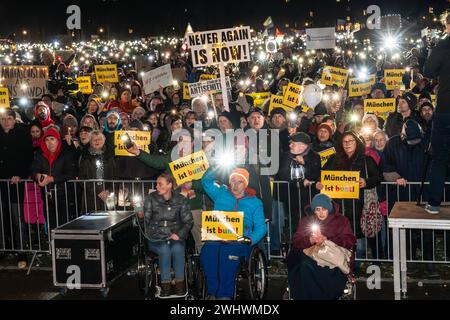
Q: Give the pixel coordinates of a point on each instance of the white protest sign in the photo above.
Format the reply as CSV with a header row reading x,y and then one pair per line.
x,y
220,46
160,77
25,81
207,87
320,38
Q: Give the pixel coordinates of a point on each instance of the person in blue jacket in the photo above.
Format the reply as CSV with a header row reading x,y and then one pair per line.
x,y
220,260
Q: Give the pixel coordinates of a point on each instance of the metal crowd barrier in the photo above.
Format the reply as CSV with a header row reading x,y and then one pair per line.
x,y
27,212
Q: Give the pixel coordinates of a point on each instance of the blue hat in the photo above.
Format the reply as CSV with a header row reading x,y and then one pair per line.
x,y
323,201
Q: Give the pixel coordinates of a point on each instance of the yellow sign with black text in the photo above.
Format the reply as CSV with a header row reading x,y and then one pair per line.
x,y
393,78
84,85
186,93
4,98
259,98
141,138
291,97
206,77
189,168
277,102
222,226
358,87
107,73
340,184
334,76
325,155
380,107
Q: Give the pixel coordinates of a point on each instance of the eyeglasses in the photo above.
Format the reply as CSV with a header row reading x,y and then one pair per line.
x,y
349,142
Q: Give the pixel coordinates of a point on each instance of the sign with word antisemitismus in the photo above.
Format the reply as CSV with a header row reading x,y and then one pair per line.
x,y
207,87
220,46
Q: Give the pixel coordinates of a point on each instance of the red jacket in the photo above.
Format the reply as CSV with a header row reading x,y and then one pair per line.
x,y
336,228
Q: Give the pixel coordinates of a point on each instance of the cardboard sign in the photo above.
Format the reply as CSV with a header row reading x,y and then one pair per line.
x,y
189,168
393,78
340,184
277,102
325,155
259,98
358,87
220,46
205,77
207,87
4,98
141,138
334,76
222,226
107,73
380,107
291,97
25,81
154,79
84,85
320,38
186,94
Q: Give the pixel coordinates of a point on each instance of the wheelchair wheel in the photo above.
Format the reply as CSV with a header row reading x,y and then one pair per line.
x,y
142,271
257,275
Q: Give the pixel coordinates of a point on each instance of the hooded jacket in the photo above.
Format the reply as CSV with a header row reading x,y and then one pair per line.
x,y
48,120
336,228
224,200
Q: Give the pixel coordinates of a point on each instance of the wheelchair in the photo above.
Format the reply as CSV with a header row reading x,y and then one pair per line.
x,y
252,270
148,273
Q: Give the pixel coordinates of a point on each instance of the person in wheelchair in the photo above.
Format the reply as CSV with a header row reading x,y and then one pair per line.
x,y
168,221
308,280
220,260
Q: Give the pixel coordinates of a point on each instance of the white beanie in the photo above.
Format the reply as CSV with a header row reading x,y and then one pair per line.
x,y
370,116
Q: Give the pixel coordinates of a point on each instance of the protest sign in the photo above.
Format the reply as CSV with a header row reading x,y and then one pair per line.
x,y
358,87
393,78
207,87
259,98
291,97
25,81
325,155
205,77
340,184
222,226
4,98
334,76
141,138
186,94
220,46
189,168
84,85
277,102
380,107
320,38
154,79
107,73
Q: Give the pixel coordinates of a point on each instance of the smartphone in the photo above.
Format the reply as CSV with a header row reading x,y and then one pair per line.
x,y
127,140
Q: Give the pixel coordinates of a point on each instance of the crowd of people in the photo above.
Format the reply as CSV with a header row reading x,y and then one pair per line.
x,y
70,136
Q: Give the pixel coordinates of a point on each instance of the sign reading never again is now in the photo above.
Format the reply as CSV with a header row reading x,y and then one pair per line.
x,y
189,168
142,139
220,46
222,226
340,184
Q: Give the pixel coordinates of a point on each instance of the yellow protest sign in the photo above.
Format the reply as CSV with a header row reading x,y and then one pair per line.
x,y
222,226
325,155
4,98
107,73
141,138
380,107
358,87
291,97
259,98
277,102
84,85
186,93
189,168
205,77
340,184
393,78
334,76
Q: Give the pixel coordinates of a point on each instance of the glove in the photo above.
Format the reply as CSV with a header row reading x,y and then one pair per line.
x,y
245,240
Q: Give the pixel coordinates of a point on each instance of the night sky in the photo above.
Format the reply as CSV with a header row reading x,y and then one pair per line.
x,y
46,19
